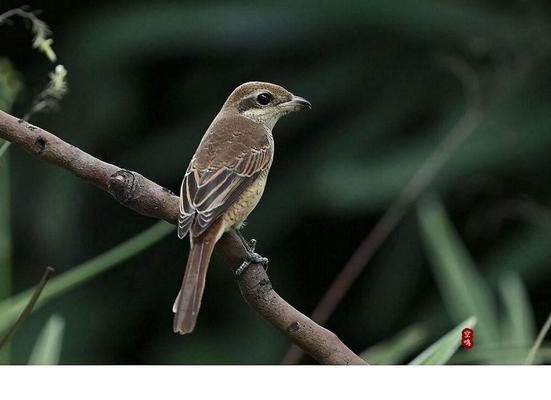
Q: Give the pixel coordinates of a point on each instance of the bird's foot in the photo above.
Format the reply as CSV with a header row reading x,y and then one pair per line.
x,y
251,257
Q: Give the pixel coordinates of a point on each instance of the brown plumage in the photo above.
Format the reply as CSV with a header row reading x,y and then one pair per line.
x,y
225,180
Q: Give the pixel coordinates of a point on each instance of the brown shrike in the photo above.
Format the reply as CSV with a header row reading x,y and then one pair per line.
x,y
224,182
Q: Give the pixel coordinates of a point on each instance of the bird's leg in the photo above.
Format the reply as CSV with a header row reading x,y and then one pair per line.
x,y
251,255
249,246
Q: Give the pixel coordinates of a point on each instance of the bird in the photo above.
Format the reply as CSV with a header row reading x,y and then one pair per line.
x,y
224,182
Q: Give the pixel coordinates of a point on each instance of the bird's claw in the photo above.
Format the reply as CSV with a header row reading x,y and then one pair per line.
x,y
257,258
250,258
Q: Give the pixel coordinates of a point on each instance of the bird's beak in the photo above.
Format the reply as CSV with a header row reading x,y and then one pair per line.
x,y
297,103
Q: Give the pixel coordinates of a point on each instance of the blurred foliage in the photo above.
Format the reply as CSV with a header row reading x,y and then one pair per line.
x,y
464,291
10,87
147,79
12,307
444,348
47,348
518,326
396,349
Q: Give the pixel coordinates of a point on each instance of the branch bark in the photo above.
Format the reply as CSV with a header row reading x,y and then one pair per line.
x,y
146,197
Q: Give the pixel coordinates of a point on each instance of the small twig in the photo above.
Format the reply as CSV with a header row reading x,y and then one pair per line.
x,y
539,340
396,211
29,307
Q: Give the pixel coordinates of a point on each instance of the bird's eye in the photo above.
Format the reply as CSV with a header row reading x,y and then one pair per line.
x,y
264,98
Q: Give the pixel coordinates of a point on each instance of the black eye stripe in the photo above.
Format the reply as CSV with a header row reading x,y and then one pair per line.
x,y
264,98
248,103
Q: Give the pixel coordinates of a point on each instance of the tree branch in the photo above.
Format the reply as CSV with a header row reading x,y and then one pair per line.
x,y
147,198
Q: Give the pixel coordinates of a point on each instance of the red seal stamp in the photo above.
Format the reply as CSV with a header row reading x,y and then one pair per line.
x,y
467,338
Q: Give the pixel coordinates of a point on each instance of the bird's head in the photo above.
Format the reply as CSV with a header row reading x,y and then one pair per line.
x,y
263,102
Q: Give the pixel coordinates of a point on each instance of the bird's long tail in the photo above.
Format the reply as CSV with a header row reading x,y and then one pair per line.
x,y
187,304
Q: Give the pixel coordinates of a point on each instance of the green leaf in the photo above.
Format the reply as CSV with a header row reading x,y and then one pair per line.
x,y
462,287
518,326
395,349
47,348
11,308
442,350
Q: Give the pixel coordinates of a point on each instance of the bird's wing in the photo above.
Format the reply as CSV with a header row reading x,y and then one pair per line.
x,y
225,164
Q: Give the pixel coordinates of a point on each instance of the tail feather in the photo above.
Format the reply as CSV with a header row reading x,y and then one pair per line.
x,y
188,302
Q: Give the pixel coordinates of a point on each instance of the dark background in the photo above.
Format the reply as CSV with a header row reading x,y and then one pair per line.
x,y
145,81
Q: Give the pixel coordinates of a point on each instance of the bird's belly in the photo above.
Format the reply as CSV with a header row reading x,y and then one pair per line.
x,y
242,207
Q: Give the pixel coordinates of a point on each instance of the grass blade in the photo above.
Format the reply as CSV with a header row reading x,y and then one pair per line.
x,y
47,348
78,275
444,348
462,287
395,349
537,344
518,327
